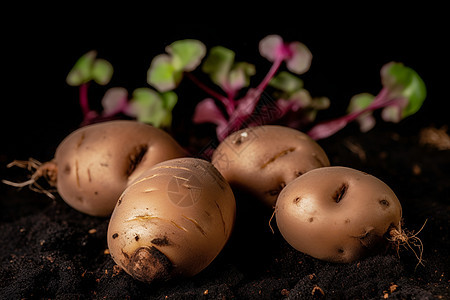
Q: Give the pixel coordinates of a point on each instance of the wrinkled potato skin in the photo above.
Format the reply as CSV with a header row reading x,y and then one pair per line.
x,y
262,160
313,222
93,162
191,233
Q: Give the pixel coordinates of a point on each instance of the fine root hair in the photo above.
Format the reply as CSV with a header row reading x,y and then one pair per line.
x,y
408,239
38,170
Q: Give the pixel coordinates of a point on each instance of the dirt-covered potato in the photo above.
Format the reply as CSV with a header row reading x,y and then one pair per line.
x,y
337,214
93,165
262,160
172,221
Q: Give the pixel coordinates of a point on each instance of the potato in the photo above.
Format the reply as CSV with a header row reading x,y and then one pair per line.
x,y
172,221
337,214
262,160
93,165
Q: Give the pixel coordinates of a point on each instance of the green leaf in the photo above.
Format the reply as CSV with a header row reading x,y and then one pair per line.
x,y
286,82
162,74
391,114
404,82
239,75
101,71
89,67
166,70
218,64
146,104
151,107
366,121
81,71
169,100
302,97
359,102
186,54
320,103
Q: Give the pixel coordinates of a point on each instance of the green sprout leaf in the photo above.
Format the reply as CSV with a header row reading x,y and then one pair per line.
x,y
286,82
404,82
151,107
240,74
187,54
162,74
223,71
218,64
166,70
392,114
80,72
169,100
360,102
89,67
101,71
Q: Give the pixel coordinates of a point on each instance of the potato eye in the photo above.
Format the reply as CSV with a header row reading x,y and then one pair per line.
x,y
276,191
298,173
384,203
340,193
273,192
135,158
241,138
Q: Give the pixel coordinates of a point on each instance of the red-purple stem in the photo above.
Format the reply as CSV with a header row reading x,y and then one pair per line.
x,y
323,130
253,95
229,103
84,102
273,70
237,117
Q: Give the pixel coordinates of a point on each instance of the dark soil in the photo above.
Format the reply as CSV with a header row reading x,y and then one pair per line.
x,y
49,250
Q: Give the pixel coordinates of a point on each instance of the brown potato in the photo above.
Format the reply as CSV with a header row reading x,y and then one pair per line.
x,y
337,214
172,221
262,160
96,163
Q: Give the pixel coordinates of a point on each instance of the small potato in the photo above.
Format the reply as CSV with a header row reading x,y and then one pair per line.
x,y
97,162
172,221
262,160
337,214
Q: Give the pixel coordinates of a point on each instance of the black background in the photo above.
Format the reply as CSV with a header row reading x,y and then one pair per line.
x,y
38,109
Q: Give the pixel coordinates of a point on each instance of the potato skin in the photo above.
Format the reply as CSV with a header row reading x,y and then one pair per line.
x,y
95,162
337,214
263,159
183,208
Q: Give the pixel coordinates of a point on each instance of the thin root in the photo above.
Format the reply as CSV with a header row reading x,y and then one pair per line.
x,y
409,240
46,170
271,218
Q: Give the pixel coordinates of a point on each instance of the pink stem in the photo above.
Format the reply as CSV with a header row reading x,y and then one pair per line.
x,y
273,70
228,102
84,103
254,94
381,100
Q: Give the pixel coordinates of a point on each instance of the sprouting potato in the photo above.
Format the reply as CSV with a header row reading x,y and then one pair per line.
x,y
94,164
172,221
262,160
338,214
